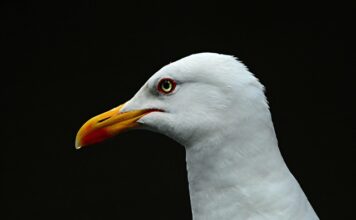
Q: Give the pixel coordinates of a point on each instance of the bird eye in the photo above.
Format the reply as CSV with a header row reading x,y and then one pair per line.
x,y
166,86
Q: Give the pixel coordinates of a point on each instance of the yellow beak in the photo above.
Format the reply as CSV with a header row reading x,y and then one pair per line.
x,y
108,124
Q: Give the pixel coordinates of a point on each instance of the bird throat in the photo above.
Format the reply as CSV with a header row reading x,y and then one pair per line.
x,y
234,178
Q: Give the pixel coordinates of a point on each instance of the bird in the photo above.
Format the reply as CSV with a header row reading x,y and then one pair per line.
x,y
211,104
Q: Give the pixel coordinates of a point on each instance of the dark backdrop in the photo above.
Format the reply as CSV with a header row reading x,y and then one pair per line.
x,y
67,61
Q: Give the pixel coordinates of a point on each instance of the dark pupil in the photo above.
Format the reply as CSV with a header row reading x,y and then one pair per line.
x,y
166,85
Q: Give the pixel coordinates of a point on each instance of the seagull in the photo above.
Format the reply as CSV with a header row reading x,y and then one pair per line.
x,y
216,108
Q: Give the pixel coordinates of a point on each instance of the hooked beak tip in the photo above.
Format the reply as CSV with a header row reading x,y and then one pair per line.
x,y
77,145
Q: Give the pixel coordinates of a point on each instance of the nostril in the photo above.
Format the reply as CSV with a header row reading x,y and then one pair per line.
x,y
104,119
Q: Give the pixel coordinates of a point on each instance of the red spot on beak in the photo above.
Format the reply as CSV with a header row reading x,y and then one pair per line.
x,y
95,136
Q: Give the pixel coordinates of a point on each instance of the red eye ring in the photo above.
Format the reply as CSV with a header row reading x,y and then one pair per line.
x,y
166,85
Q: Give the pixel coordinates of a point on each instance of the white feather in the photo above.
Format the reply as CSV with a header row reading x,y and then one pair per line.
x,y
219,112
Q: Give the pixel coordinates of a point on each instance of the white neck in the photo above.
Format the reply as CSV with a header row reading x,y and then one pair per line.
x,y
243,176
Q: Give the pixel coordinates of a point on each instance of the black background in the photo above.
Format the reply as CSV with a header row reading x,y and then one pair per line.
x,y
68,61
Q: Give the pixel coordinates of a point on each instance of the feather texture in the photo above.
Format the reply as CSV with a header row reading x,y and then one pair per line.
x,y
219,112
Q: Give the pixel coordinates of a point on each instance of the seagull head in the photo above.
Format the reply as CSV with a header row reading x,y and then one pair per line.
x,y
187,100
